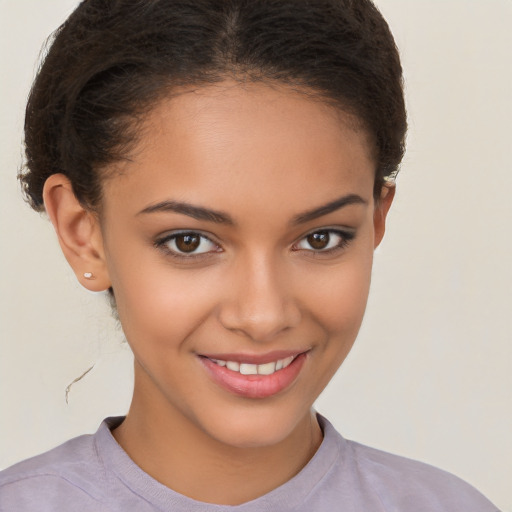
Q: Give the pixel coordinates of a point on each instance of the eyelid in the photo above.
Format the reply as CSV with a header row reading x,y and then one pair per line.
x,y
346,234
162,240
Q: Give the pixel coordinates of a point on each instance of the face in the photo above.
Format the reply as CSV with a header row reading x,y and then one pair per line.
x,y
238,240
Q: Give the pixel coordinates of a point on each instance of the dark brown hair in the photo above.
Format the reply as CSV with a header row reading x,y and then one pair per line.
x,y
112,60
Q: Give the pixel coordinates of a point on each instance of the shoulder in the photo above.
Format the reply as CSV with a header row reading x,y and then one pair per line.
x,y
54,479
397,484
412,485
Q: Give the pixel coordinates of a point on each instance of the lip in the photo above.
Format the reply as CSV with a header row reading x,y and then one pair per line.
x,y
254,386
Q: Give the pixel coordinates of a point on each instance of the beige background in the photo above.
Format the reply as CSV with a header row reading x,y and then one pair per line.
x,y
431,374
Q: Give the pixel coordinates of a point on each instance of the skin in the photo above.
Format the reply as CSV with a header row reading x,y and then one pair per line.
x,y
262,155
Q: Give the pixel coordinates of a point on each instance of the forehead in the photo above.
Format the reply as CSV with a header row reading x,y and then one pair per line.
x,y
221,144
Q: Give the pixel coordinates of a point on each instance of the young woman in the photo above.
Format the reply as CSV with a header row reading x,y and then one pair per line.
x,y
224,169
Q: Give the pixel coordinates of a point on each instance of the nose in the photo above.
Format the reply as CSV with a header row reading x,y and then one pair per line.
x,y
260,303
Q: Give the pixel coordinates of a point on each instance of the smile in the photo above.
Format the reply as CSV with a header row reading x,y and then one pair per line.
x,y
254,379
256,369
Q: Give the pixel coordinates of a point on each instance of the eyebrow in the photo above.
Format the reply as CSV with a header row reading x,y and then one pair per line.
x,y
337,204
219,217
196,212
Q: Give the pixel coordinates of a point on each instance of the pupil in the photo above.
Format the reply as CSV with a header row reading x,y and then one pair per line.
x,y
187,243
319,240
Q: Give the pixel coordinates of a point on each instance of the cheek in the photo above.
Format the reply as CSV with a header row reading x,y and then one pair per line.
x,y
338,301
343,318
159,305
338,297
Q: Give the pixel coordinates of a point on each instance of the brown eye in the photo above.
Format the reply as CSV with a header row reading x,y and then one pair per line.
x,y
319,240
187,242
324,241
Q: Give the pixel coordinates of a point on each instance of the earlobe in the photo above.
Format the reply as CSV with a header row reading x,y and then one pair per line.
x,y
78,231
382,207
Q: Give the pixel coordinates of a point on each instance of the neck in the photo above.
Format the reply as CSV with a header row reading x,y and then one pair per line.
x,y
179,454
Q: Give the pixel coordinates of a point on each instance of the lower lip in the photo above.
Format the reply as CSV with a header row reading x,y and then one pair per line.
x,y
254,386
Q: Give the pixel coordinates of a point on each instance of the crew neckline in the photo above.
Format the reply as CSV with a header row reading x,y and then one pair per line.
x,y
284,498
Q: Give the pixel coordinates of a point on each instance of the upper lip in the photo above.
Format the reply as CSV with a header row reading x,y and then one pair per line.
x,y
268,357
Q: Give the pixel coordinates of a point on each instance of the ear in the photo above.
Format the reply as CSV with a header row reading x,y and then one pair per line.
x,y
380,213
79,233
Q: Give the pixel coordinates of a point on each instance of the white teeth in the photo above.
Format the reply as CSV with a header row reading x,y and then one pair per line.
x,y
287,361
233,365
266,369
256,369
249,369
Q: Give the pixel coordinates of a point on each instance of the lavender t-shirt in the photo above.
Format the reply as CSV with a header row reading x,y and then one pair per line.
x,y
92,473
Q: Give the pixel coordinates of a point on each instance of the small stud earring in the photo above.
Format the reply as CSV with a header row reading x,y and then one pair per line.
x,y
89,275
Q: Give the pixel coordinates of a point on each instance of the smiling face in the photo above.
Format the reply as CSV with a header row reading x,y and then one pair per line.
x,y
239,241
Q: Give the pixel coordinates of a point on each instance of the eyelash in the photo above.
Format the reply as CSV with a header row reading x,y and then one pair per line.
x,y
345,237
163,244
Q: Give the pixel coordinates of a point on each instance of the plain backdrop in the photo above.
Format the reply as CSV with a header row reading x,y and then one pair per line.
x,y
430,376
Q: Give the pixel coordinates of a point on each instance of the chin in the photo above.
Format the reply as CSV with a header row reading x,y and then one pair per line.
x,y
256,427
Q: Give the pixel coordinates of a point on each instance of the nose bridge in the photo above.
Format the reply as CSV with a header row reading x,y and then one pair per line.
x,y
261,303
